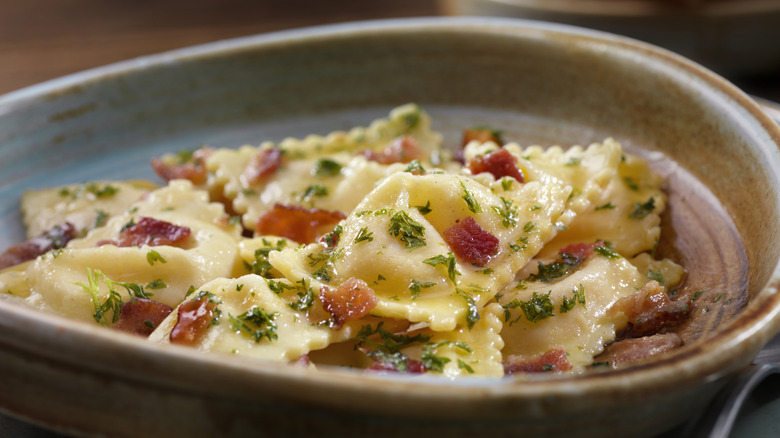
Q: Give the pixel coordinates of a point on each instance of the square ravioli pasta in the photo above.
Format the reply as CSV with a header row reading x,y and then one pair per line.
x,y
379,248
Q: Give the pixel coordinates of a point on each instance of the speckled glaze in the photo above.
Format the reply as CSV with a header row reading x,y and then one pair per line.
x,y
544,83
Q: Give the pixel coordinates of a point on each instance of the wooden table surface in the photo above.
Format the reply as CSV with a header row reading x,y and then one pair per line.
x,y
45,39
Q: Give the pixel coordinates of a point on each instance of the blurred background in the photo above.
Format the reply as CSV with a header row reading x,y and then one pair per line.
x,y
45,39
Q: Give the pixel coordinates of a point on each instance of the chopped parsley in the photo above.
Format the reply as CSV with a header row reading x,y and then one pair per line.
x,y
407,230
642,209
153,257
471,203
607,206
472,314
326,167
574,161
261,266
578,297
507,182
507,211
90,188
656,275
556,269
448,261
538,307
364,235
416,287
415,167
424,209
101,217
255,323
606,251
529,227
314,190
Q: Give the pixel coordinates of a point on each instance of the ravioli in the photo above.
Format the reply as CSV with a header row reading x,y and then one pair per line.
x,y
387,250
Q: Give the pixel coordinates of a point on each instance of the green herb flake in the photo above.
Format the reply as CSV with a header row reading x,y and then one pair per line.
x,y
507,183
656,275
698,293
574,161
578,298
314,190
471,203
408,231
424,209
261,266
464,366
153,257
326,167
631,184
529,227
448,261
364,235
607,206
472,313
101,217
606,251
255,323
538,307
507,212
642,209
415,167
416,287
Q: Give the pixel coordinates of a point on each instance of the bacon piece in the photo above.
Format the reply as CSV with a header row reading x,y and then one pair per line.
x,y
553,359
470,242
650,310
141,316
55,238
637,349
194,169
498,163
413,366
297,223
353,299
579,251
152,232
264,164
194,318
403,149
481,135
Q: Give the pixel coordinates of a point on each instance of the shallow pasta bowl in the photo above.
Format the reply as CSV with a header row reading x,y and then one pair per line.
x,y
541,83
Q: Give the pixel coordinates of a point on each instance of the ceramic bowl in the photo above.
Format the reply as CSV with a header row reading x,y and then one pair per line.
x,y
542,83
733,37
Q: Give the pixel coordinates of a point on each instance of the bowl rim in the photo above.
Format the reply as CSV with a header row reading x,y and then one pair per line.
x,y
704,362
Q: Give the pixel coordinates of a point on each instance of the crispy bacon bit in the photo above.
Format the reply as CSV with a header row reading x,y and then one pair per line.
x,y
297,223
55,238
413,366
553,359
650,310
141,316
580,251
194,318
470,242
403,149
499,163
152,232
353,299
193,169
263,165
636,349
481,135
